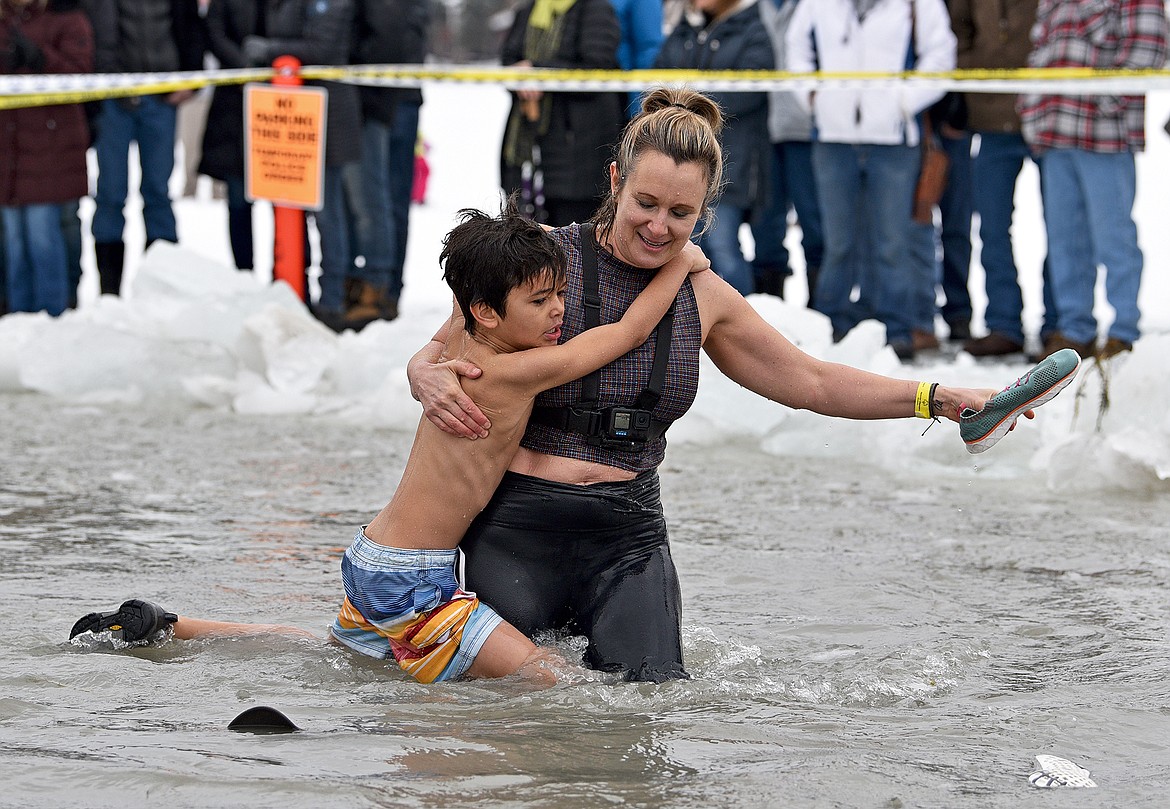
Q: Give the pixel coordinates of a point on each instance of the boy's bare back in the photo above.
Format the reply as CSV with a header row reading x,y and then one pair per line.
x,y
448,480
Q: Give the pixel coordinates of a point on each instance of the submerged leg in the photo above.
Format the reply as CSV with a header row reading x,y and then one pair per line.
x,y
137,620
508,651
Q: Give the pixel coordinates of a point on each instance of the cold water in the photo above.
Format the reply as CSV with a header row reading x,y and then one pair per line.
x,y
857,635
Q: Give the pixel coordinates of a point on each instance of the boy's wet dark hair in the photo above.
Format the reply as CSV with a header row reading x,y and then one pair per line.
x,y
486,257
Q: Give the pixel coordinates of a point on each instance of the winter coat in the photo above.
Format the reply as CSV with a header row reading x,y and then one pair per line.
x,y
582,127
320,32
996,36
390,32
42,149
788,119
735,41
641,24
1102,36
827,35
228,22
146,36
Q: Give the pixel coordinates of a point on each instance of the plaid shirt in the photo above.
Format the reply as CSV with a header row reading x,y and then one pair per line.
x,y
1099,34
624,378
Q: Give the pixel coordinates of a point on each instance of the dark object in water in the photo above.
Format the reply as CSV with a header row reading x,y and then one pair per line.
x,y
262,719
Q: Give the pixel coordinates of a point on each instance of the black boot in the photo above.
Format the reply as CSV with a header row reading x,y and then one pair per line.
x,y
110,256
770,280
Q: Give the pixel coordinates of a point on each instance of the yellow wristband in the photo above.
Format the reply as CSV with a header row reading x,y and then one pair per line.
x,y
922,400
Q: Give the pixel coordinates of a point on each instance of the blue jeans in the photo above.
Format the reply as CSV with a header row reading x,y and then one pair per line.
x,y
955,210
924,260
36,260
1092,193
995,170
333,230
240,224
793,186
381,225
71,235
151,122
721,244
866,188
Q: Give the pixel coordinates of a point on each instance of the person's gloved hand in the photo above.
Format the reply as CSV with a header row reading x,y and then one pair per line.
x,y
256,51
24,53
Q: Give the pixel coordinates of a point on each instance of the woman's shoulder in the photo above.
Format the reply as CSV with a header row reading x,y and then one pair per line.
x,y
718,301
567,234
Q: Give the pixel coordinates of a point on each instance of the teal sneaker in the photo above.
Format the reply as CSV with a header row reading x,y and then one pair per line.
x,y
134,621
981,429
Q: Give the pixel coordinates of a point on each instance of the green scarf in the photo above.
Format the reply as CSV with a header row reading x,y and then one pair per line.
x,y
546,12
542,40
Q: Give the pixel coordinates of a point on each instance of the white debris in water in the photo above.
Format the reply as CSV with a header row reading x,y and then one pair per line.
x,y
1059,772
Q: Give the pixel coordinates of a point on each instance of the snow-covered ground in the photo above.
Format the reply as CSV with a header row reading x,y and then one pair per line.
x,y
193,332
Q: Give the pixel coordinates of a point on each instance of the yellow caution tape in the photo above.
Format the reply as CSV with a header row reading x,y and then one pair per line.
x,y
39,90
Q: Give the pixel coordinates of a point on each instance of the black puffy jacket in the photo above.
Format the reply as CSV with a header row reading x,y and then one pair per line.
x,y
583,127
390,32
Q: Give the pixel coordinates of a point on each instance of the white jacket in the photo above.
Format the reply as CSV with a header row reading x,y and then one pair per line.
x,y
826,35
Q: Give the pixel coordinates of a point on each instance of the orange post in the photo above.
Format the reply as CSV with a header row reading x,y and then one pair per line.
x,y
288,257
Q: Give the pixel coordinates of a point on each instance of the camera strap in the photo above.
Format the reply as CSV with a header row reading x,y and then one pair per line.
x,y
584,417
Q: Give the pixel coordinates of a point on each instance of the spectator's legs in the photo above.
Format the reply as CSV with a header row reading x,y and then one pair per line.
x,y
890,176
3,271
115,132
403,139
240,224
374,224
1113,181
17,275
1065,217
995,171
800,186
769,225
336,258
721,243
36,251
838,172
922,257
47,257
155,134
955,209
71,234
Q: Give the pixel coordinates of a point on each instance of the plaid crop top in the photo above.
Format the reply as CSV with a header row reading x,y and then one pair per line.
x,y
622,380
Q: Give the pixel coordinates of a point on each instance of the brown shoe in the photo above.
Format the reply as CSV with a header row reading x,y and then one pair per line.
x,y
372,303
923,340
993,345
1056,341
1113,347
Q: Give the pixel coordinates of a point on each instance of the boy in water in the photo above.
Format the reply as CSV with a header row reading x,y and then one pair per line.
x,y
404,595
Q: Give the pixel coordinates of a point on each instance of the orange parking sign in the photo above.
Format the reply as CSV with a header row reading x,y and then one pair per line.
x,y
284,144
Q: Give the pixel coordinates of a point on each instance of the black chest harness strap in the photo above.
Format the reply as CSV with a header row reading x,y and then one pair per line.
x,y
625,428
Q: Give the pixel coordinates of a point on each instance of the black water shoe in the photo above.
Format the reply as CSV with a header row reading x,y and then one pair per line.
x,y
134,621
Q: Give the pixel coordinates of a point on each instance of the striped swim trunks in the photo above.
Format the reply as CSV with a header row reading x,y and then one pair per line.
x,y
410,605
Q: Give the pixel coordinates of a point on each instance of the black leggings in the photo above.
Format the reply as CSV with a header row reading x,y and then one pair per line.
x,y
591,560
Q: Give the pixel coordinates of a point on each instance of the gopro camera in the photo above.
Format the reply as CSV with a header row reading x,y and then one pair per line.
x,y
625,427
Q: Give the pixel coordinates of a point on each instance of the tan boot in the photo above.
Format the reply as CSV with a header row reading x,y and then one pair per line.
x,y
372,303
